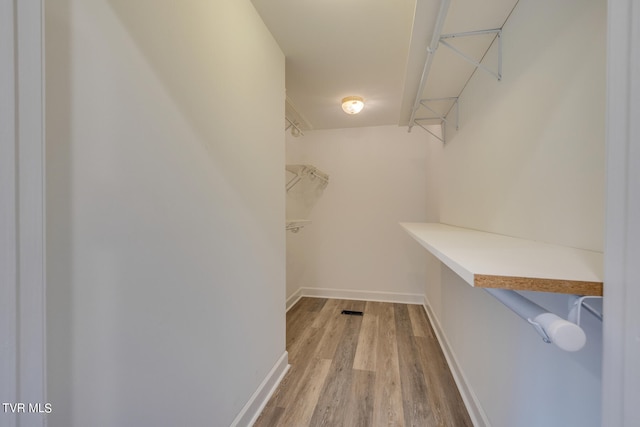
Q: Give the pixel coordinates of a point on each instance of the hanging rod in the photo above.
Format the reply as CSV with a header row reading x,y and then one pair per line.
x,y
552,328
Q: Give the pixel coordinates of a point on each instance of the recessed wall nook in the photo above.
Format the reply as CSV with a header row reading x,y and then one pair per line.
x,y
511,218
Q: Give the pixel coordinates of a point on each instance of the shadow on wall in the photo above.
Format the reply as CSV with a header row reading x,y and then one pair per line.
x,y
59,230
164,211
197,76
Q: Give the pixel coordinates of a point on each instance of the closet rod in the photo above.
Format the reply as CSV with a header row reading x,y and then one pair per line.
x,y
566,335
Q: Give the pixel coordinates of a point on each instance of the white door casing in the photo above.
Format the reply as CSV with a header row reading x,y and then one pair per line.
x,y
22,206
621,329
22,213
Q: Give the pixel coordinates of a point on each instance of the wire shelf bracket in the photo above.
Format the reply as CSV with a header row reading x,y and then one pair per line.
x,y
438,39
295,128
301,171
441,118
472,61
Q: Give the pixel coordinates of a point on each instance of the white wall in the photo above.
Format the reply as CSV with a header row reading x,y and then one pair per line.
x,y
166,251
528,161
377,178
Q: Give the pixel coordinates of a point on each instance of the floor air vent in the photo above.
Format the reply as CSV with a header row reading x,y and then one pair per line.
x,y
352,312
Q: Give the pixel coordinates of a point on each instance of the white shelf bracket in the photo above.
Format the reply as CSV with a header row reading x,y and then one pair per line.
x,y
477,64
301,171
296,225
442,118
577,303
441,39
540,330
441,138
295,129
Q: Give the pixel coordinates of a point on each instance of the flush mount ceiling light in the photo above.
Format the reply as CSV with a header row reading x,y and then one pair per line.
x,y
352,104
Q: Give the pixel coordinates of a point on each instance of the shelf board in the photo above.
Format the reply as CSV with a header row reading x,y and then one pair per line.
x,y
491,260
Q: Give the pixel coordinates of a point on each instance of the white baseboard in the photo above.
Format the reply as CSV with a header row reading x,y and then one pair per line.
x,y
294,298
252,410
362,295
471,402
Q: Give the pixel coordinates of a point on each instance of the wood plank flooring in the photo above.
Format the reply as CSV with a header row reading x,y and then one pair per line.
x,y
384,368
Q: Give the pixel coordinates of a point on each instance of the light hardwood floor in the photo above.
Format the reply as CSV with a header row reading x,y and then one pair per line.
x,y
385,368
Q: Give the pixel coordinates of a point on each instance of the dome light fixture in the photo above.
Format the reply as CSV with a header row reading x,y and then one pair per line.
x,y
352,104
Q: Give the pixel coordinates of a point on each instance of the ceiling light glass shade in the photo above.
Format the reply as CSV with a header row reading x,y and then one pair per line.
x,y
352,104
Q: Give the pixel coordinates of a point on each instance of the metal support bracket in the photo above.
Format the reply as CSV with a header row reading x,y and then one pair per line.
x,y
439,116
441,39
540,330
442,139
469,59
301,171
295,129
577,303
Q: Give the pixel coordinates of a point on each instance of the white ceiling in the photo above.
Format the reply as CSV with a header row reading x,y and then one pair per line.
x,y
375,49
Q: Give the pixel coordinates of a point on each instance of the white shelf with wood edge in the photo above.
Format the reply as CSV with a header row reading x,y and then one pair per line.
x,y
489,260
